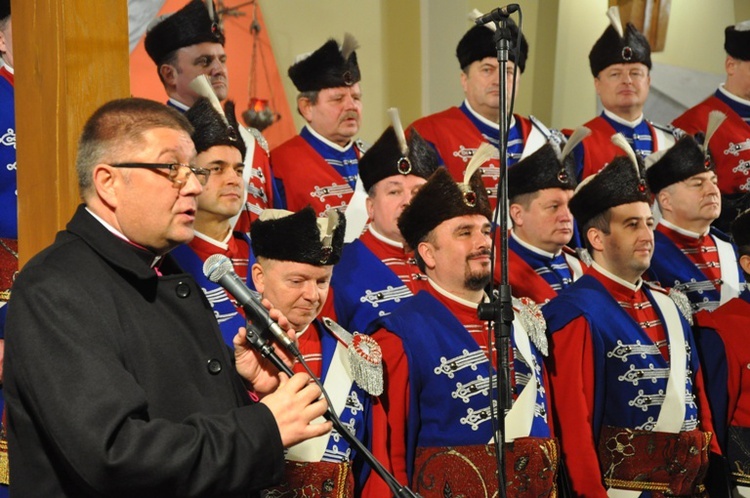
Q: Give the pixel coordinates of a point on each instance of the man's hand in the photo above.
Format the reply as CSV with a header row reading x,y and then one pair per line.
x,y
294,405
257,370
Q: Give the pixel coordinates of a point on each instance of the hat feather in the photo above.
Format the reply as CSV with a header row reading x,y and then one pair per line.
x,y
715,118
613,13
484,153
202,86
399,130
619,140
577,137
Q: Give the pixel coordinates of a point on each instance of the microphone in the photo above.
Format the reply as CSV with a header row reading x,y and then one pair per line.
x,y
218,269
497,14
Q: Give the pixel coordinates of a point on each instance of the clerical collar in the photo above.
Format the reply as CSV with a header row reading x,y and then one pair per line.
x,y
224,244
178,104
157,258
732,96
634,287
328,142
682,231
625,122
534,249
454,297
384,239
482,118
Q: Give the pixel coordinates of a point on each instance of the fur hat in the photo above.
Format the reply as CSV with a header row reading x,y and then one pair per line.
x,y
741,229
442,198
683,160
212,127
190,25
736,40
330,66
478,43
547,167
4,9
393,154
302,237
616,46
619,182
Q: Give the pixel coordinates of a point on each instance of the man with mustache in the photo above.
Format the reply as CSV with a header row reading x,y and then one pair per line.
x,y
626,384
457,132
296,254
439,359
540,264
220,152
190,43
731,146
319,166
690,254
620,62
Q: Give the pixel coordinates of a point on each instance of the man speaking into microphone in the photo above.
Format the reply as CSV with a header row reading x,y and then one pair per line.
x,y
117,378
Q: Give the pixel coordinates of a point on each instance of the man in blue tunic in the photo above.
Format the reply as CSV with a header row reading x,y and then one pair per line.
x,y
627,390
439,359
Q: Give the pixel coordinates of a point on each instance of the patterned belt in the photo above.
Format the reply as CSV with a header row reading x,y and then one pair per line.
x,y
314,479
664,463
531,466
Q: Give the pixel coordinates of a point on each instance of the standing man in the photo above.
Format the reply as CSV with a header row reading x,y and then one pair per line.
x,y
540,263
187,44
439,359
730,147
626,383
220,151
690,255
722,341
296,253
620,62
457,132
319,166
117,371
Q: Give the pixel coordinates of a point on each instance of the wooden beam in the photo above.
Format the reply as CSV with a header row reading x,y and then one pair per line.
x,y
71,56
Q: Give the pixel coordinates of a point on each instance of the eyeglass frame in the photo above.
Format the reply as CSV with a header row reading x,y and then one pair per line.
x,y
201,174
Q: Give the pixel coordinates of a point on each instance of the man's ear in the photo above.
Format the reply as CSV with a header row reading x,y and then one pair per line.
x,y
168,74
595,238
427,252
745,263
258,276
305,108
105,179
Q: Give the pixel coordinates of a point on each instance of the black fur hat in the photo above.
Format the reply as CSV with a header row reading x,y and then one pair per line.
x,y
385,158
442,198
302,237
681,161
684,159
741,229
330,66
4,9
736,40
542,169
213,128
619,182
190,25
616,46
478,43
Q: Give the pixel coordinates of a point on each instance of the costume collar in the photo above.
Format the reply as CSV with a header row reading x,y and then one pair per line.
x,y
732,96
633,287
453,297
223,244
382,238
330,144
179,105
624,122
534,249
682,231
482,118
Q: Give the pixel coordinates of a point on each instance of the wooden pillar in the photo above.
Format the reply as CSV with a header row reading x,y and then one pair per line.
x,y
70,56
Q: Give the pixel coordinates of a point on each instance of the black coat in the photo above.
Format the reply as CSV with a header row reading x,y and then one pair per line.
x,y
119,383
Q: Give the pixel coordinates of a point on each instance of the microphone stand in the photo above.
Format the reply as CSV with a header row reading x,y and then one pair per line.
x,y
499,312
267,351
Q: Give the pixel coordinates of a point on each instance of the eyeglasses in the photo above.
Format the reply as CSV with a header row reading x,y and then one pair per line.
x,y
178,172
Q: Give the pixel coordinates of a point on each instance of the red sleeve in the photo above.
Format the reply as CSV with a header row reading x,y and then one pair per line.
x,y
572,384
390,415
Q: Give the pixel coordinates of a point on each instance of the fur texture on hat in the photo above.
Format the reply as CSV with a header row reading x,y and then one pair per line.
x,y
736,40
330,66
190,25
441,199
619,182
302,237
478,43
4,9
394,154
214,128
616,46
